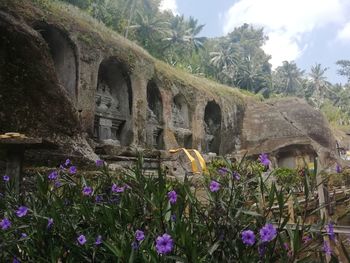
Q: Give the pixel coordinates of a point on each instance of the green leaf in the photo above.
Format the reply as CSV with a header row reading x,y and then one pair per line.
x,y
214,247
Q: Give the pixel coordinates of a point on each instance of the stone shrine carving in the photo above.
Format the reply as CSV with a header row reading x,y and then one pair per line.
x,y
108,120
178,118
209,136
154,129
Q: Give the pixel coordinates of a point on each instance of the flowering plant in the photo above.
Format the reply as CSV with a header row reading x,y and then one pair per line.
x,y
233,214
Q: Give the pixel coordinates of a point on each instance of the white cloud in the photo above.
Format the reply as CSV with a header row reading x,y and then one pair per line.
x,y
169,5
344,33
286,22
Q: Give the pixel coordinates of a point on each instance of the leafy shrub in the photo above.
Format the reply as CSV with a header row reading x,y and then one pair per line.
x,y
131,217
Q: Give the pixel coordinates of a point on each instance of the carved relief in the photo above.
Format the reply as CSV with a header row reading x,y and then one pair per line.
x,y
111,114
154,117
181,121
212,127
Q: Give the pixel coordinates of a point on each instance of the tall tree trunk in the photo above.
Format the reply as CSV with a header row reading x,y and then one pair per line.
x,y
130,17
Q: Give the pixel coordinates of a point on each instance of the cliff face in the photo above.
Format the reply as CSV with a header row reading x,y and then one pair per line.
x,y
68,79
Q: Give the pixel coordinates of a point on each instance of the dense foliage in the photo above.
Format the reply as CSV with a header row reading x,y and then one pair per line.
x,y
227,217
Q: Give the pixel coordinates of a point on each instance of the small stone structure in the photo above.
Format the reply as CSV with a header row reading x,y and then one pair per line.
x,y
113,100
89,90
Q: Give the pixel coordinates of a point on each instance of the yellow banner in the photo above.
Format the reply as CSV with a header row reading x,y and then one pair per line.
x,y
192,160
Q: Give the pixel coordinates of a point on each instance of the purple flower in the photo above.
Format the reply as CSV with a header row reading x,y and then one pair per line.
x,y
236,175
24,235
53,175
262,249
306,239
98,198
15,260
5,224
139,235
214,186
57,184
98,240
67,162
248,237
173,218
330,231
338,168
135,245
21,211
99,163
172,195
327,248
72,170
118,189
87,190
81,240
264,159
268,233
164,244
223,170
6,178
49,222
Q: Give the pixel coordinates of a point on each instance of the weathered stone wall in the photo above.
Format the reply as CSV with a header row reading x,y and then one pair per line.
x,y
37,100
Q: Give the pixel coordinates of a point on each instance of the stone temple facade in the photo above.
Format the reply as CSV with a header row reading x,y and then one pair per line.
x,y
88,91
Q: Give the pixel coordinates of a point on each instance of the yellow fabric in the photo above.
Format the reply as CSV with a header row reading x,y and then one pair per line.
x,y
189,156
201,160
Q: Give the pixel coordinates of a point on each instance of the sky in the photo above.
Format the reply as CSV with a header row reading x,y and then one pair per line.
x,y
304,31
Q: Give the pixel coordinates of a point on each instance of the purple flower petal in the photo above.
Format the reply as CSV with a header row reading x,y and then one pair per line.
x,y
22,211
264,159
214,186
53,175
67,162
99,163
81,239
6,178
5,223
87,191
72,170
172,195
118,189
139,235
223,170
98,240
49,222
248,237
268,233
236,175
164,244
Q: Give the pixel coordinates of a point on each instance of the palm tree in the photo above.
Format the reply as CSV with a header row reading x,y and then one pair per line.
x,y
319,84
288,78
145,5
184,33
149,27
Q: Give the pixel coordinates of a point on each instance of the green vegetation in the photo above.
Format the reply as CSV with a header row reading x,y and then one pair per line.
x,y
130,217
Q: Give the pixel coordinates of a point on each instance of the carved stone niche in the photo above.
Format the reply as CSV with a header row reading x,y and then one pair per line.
x,y
212,127
295,155
154,117
181,121
113,104
63,53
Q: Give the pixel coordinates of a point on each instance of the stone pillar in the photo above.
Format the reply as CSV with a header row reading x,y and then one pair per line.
x,y
139,109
